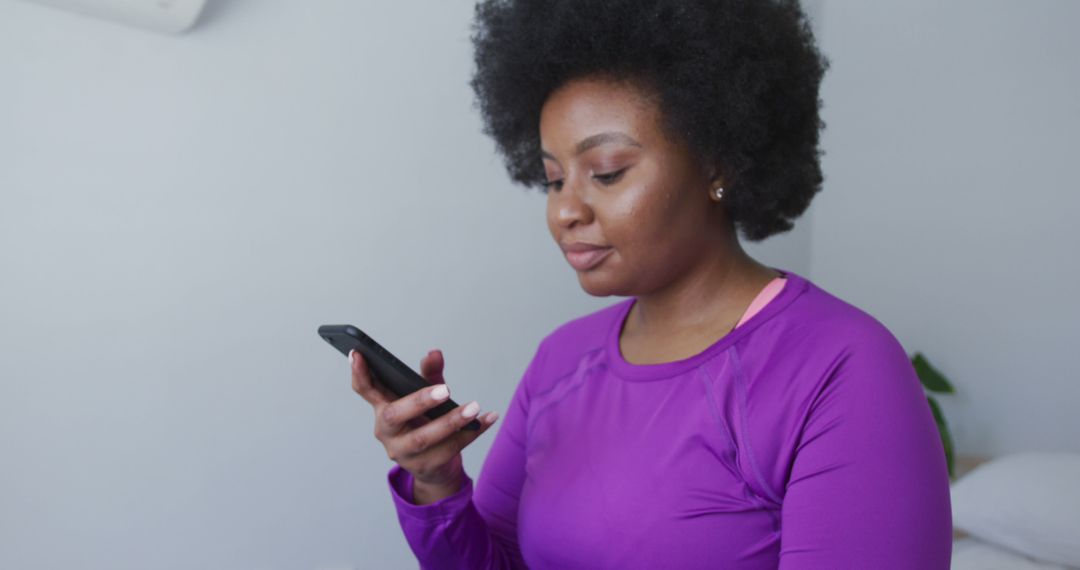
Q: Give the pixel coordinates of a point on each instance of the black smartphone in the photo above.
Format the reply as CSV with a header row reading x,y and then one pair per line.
x,y
386,368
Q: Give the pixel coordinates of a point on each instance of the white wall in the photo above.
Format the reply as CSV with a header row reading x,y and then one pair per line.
x,y
952,144
177,217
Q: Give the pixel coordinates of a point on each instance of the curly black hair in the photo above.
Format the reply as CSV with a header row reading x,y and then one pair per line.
x,y
736,79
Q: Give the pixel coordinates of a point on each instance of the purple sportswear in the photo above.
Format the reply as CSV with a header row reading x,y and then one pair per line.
x,y
802,439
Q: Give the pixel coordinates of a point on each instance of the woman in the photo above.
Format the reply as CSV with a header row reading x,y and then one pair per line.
x,y
728,414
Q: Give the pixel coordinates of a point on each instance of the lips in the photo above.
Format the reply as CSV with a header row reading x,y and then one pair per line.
x,y
587,258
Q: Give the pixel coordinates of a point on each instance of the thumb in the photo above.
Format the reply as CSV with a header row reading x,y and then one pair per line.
x,y
431,367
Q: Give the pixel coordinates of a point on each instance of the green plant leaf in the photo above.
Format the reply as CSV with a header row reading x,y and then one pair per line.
x,y
946,436
930,377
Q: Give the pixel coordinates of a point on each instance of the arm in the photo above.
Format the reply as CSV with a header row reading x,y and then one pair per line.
x,y
473,528
868,486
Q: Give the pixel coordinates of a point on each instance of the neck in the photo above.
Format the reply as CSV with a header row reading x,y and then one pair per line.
x,y
712,295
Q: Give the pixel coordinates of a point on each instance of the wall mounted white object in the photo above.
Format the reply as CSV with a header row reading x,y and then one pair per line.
x,y
171,16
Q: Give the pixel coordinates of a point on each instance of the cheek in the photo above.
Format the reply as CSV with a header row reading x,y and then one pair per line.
x,y
651,228
642,216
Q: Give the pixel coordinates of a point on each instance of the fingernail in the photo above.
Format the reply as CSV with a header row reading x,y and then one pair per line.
x,y
470,410
351,360
491,417
440,392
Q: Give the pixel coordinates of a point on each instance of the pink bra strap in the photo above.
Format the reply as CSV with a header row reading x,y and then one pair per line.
x,y
767,294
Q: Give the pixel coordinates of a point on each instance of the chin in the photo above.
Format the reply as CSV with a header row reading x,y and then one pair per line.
x,y
598,284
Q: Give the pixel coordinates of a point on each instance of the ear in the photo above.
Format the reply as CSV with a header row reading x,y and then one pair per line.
x,y
715,175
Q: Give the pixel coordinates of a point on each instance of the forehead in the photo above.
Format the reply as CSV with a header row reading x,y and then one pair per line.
x,y
583,107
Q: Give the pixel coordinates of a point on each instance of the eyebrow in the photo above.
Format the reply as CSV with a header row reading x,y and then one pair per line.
x,y
597,140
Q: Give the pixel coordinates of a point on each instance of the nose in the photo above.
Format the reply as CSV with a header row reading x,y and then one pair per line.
x,y
569,206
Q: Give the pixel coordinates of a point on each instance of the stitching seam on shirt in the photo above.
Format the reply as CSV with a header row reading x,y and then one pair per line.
x,y
555,383
770,510
711,396
740,388
671,374
584,366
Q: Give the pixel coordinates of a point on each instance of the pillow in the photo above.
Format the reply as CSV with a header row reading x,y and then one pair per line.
x,y
1029,502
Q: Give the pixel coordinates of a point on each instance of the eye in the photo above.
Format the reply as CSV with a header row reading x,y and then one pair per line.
x,y
548,185
609,178
605,179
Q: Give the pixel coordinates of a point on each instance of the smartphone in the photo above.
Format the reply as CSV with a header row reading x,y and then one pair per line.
x,y
385,368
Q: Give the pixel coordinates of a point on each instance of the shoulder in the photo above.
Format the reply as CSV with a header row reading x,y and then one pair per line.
x,y
842,347
831,324
817,340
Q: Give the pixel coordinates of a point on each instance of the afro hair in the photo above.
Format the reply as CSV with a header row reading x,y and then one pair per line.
x,y
737,80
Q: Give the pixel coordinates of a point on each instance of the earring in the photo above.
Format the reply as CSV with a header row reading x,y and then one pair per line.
x,y
718,192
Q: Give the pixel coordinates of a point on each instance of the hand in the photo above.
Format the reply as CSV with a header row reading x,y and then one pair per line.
x,y
429,449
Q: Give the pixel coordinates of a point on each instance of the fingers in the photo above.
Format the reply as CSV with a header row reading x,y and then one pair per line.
x,y
419,444
363,384
443,452
394,417
431,367
437,442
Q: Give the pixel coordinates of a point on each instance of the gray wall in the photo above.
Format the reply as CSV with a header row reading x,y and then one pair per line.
x,y
177,217
953,138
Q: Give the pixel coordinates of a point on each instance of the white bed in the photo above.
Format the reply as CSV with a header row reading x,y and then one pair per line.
x,y
1017,512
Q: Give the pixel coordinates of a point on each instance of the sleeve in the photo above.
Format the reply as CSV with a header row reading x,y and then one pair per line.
x,y
868,487
473,529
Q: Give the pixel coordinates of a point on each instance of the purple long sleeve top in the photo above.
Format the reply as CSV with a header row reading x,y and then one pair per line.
x,y
801,439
